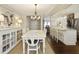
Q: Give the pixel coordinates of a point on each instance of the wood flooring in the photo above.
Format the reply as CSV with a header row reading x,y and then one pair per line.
x,y
61,48
19,49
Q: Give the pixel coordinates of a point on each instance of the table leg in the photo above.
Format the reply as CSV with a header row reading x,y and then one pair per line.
x,y
23,46
43,45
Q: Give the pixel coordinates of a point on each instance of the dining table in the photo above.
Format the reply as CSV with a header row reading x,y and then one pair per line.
x,y
34,34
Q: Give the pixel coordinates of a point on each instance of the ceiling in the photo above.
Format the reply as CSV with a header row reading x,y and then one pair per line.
x,y
42,9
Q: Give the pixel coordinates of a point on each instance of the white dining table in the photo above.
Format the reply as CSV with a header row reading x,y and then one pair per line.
x,y
34,34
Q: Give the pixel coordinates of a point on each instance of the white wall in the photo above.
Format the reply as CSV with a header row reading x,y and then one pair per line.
x,y
25,24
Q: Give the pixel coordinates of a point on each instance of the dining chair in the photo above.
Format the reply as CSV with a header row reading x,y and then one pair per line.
x,y
33,45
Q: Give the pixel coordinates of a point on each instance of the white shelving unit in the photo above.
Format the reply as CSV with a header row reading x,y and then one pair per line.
x,y
9,38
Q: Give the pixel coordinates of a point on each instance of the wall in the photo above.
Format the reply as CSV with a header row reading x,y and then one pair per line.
x,y
34,24
25,24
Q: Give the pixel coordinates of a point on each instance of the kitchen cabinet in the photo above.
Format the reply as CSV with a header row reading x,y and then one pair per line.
x,y
8,39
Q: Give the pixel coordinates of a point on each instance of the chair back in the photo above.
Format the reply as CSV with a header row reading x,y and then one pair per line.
x,y
32,42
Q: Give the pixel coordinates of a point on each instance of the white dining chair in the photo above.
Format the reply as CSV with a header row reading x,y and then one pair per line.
x,y
33,45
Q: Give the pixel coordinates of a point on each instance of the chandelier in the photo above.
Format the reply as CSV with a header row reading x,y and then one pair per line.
x,y
35,16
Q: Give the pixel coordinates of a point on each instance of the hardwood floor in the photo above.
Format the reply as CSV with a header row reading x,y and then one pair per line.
x,y
18,49
54,47
60,48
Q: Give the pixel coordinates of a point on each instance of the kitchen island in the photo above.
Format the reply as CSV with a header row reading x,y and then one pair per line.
x,y
65,35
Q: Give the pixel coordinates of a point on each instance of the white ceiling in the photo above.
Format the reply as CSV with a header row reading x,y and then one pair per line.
x,y
42,9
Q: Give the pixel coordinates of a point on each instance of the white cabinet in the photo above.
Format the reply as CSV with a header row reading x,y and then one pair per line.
x,y
8,39
68,36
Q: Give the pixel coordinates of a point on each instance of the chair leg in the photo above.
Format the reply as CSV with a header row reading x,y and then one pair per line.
x,y
37,51
28,50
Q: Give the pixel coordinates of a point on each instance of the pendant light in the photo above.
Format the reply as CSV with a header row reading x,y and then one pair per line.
x,y
35,16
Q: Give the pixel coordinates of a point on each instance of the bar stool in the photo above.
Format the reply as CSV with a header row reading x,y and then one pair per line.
x,y
32,45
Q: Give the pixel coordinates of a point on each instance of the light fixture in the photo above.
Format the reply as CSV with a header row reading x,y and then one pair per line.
x,y
1,17
35,16
19,21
